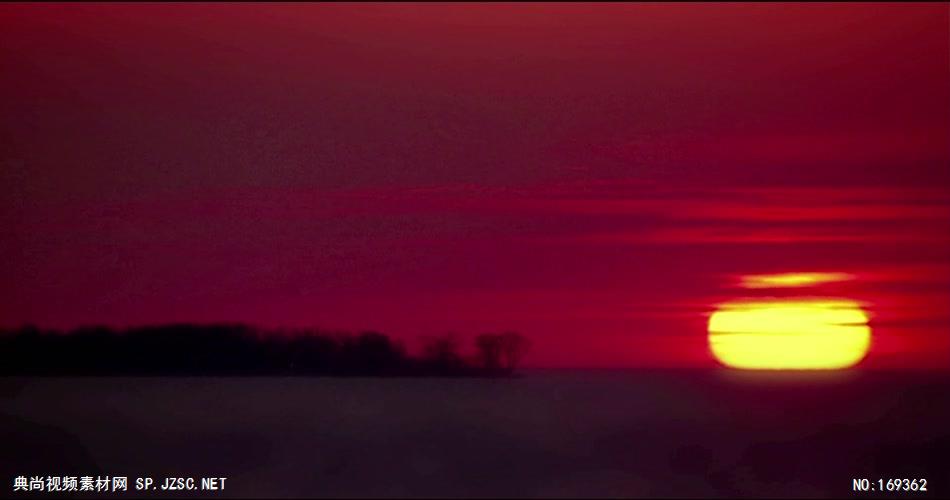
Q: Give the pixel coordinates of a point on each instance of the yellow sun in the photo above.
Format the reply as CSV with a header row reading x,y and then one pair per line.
x,y
778,334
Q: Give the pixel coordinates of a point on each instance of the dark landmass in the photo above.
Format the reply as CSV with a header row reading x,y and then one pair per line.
x,y
236,349
547,434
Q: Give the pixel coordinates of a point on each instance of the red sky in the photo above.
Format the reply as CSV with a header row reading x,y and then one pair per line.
x,y
594,176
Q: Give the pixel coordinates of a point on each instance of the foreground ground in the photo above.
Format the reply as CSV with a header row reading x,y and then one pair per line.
x,y
549,433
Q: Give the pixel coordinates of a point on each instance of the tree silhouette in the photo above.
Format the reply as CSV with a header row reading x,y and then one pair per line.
x,y
489,347
501,352
513,349
442,353
236,349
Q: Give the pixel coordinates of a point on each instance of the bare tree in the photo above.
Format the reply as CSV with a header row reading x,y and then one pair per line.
x,y
489,347
501,352
442,352
514,346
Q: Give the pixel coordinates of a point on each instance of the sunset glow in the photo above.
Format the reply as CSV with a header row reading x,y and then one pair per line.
x,y
789,334
594,177
791,280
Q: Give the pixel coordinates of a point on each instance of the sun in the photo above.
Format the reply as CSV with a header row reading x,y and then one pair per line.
x,y
797,334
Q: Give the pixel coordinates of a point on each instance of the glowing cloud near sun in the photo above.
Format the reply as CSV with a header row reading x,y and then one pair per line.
x,y
791,280
789,334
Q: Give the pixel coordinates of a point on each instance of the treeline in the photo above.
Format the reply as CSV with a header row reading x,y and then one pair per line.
x,y
236,349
